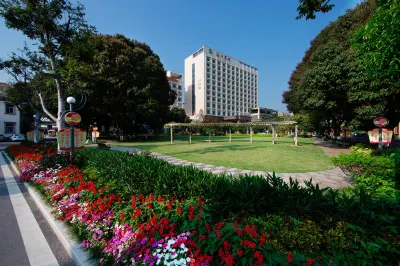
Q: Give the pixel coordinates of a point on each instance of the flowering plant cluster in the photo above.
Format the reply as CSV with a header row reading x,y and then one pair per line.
x,y
147,229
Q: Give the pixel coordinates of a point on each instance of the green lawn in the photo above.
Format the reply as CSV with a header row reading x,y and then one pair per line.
x,y
260,155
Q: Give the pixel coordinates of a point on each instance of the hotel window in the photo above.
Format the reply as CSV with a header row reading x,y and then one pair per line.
x,y
208,59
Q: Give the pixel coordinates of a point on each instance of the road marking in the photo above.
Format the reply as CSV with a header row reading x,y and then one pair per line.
x,y
36,246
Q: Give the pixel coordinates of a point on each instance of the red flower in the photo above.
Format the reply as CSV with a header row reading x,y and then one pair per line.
x,y
202,237
289,257
262,239
199,217
149,206
191,213
169,206
310,261
200,202
208,228
122,216
219,225
259,258
239,252
179,210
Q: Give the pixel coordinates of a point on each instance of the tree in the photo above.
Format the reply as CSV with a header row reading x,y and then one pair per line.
x,y
125,81
308,8
178,115
322,86
53,24
378,46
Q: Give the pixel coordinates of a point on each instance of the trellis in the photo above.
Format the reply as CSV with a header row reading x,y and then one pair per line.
x,y
230,125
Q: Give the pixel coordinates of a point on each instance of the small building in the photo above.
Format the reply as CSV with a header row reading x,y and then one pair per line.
x,y
261,113
10,119
175,82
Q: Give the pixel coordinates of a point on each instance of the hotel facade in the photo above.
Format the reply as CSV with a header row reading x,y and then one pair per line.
x,y
175,83
219,85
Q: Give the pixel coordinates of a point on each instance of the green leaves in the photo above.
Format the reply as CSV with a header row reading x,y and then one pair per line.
x,y
308,8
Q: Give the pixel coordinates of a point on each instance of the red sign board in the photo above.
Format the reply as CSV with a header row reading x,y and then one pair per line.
x,y
381,121
72,118
386,136
64,138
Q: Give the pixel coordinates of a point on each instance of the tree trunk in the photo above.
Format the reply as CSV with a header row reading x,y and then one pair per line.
x,y
60,97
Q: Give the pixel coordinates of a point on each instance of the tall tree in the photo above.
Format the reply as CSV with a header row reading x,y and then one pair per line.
x,y
322,85
52,24
125,80
378,46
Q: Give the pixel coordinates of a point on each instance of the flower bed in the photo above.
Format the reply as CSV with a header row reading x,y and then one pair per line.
x,y
121,226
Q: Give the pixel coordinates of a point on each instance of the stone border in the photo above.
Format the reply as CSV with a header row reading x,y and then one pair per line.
x,y
74,249
334,178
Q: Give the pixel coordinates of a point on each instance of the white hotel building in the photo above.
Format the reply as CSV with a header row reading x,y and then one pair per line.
x,y
175,83
219,85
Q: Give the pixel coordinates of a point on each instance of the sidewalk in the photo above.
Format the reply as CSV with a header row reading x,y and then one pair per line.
x,y
26,237
330,149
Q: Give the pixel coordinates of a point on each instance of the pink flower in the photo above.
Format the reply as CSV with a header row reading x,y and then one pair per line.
x,y
101,260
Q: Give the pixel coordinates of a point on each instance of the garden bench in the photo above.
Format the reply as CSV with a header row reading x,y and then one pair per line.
x,y
103,146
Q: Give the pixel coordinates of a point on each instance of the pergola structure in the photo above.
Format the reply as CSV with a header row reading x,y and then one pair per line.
x,y
230,125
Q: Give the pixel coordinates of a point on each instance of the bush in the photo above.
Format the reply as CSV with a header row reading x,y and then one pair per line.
x,y
247,195
377,173
122,206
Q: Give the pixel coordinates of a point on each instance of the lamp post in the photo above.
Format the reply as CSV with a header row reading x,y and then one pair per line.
x,y
37,120
71,101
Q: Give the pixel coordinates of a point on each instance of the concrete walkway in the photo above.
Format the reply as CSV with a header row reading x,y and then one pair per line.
x,y
26,237
330,149
334,178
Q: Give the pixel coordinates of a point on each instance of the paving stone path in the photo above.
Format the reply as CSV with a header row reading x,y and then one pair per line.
x,y
334,178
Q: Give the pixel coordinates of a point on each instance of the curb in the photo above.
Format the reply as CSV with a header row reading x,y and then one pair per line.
x,y
78,255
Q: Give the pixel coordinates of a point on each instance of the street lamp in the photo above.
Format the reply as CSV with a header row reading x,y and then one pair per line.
x,y
71,101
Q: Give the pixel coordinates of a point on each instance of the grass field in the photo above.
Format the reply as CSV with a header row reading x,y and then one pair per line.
x,y
261,155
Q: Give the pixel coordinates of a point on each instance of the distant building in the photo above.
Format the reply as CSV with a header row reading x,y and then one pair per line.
x,y
10,119
218,86
283,114
261,113
175,82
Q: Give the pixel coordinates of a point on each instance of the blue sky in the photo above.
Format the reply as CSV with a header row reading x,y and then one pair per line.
x,y
262,33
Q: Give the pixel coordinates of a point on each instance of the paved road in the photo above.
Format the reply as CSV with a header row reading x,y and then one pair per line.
x,y
26,238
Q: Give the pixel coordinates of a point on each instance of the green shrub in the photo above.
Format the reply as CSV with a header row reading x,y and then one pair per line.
x,y
229,197
334,238
377,173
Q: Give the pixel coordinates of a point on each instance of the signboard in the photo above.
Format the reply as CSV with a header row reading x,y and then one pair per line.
x,y
95,134
64,138
72,118
30,135
381,121
386,136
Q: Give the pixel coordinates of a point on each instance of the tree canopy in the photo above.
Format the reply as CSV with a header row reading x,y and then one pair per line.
x,y
52,25
308,8
126,83
322,85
